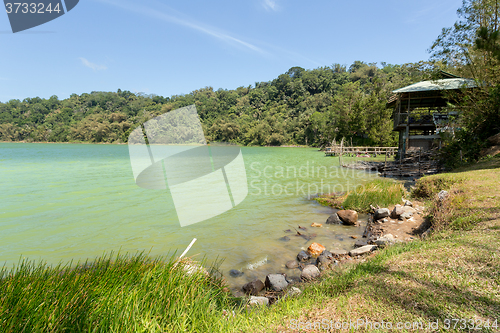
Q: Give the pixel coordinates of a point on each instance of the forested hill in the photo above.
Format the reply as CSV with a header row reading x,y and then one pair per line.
x,y
304,107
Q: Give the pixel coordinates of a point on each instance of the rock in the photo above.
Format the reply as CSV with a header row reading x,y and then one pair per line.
x,y
397,211
258,301
334,219
408,212
362,250
442,195
327,254
406,215
315,249
426,233
360,243
403,212
337,252
354,237
293,291
292,264
381,213
325,261
253,288
293,279
284,239
385,240
276,282
303,256
235,273
310,272
407,203
316,225
408,209
349,217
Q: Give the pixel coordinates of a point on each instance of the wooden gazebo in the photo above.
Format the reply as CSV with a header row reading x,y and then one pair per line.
x,y
422,108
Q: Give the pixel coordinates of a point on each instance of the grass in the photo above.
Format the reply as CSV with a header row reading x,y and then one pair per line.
x,y
382,192
113,294
473,195
451,276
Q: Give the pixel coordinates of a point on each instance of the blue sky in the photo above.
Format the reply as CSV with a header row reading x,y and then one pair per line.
x,y
169,48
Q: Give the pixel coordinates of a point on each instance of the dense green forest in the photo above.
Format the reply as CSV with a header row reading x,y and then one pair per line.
x,y
299,107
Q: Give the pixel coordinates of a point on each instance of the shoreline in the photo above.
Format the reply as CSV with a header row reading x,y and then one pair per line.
x,y
125,143
381,230
384,284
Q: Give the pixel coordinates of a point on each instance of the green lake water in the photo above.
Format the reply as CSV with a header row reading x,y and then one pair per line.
x,y
62,202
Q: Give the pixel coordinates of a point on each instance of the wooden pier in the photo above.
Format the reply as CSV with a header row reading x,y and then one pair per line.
x,y
355,151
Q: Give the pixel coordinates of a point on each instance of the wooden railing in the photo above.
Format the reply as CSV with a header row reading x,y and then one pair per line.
x,y
355,151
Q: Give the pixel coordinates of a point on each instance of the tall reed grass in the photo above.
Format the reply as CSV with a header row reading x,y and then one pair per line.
x,y
382,192
122,293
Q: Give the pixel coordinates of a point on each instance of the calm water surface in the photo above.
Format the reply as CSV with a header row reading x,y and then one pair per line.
x,y
61,202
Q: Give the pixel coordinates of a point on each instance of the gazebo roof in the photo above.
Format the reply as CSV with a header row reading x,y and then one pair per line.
x,y
442,84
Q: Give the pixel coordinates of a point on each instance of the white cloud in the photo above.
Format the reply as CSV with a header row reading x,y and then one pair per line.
x,y
270,5
91,65
186,22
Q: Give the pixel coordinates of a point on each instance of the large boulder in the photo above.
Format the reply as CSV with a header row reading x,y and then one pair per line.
x,y
310,272
334,219
362,250
276,282
315,249
381,213
349,217
253,288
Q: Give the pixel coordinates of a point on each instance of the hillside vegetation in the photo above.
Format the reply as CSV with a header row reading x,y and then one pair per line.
x,y
299,107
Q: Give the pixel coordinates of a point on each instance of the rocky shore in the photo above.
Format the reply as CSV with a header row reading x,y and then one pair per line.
x,y
386,226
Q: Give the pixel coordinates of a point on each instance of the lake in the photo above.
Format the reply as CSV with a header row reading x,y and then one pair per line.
x,y
62,202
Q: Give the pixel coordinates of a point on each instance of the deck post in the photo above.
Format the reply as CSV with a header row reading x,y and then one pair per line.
x,y
419,156
385,164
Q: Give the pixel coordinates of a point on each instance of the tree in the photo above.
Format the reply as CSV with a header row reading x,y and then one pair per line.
x,y
472,47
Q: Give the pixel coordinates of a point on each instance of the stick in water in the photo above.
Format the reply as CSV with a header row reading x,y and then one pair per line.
x,y
188,248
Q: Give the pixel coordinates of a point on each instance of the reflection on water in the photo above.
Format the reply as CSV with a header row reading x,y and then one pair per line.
x,y
76,201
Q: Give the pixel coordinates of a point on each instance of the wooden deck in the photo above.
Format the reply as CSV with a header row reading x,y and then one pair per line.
x,y
355,151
